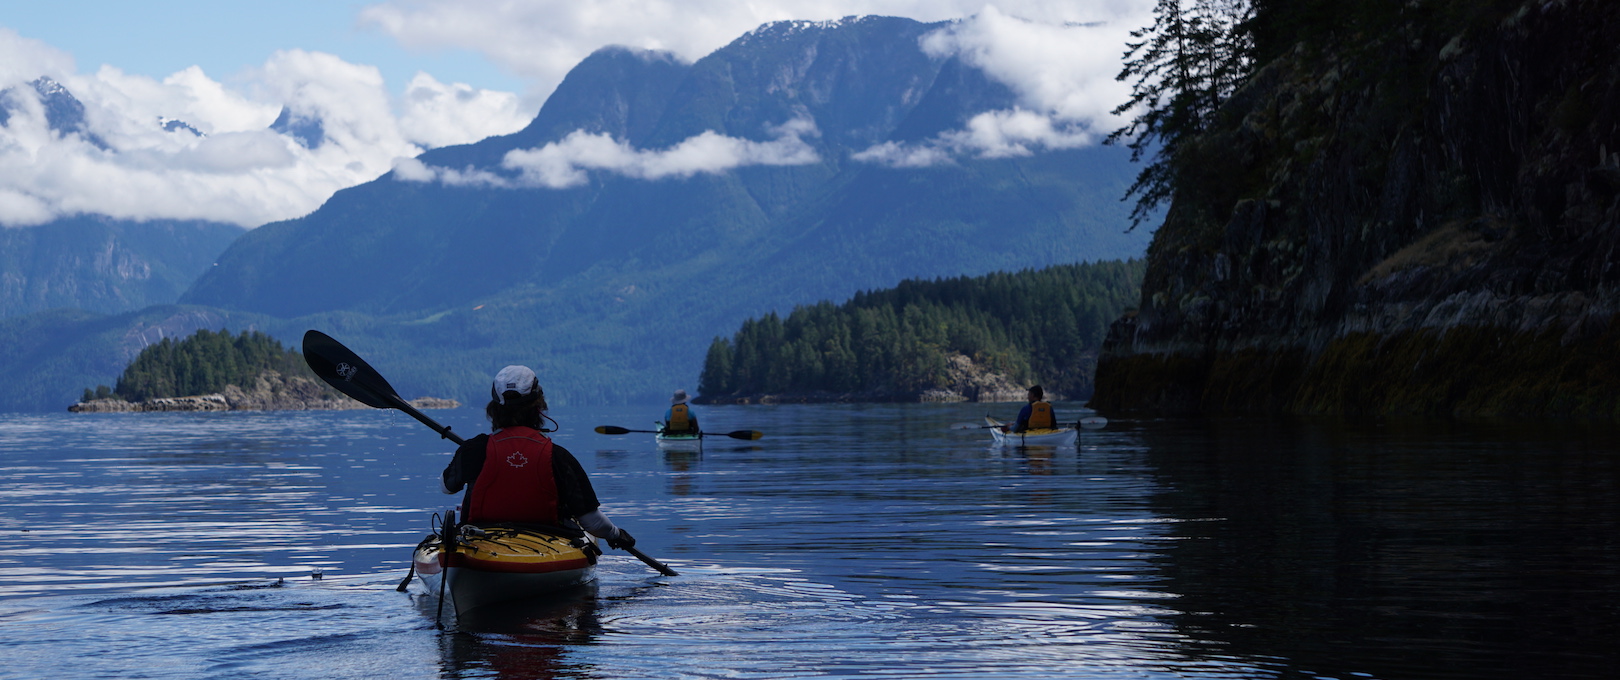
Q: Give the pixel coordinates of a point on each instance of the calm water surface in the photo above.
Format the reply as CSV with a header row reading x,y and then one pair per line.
x,y
852,542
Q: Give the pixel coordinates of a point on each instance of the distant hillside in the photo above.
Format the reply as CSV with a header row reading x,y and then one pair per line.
x,y
105,265
966,338
616,284
51,356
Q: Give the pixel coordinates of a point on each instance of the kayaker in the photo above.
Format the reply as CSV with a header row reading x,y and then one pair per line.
x,y
516,474
1037,414
679,418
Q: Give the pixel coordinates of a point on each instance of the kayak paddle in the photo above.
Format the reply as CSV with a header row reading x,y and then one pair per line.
x,y
341,368
747,435
1091,423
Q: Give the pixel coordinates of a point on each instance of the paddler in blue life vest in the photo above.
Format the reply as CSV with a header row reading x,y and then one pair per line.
x,y
679,418
1037,414
515,474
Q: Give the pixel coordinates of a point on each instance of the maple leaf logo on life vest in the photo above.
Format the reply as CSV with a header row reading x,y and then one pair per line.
x,y
517,460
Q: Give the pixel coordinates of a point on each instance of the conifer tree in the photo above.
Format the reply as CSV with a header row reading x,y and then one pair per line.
x,y
1181,69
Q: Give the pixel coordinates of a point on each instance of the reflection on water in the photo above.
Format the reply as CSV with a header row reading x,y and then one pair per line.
x,y
1397,550
853,541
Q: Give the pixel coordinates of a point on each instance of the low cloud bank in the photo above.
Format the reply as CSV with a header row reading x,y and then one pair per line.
x,y
566,163
191,147
1063,75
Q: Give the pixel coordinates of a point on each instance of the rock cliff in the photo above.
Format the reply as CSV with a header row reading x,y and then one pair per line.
x,y
1418,216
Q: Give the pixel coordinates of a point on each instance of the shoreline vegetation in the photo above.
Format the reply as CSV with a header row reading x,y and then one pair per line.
x,y
212,371
271,391
964,339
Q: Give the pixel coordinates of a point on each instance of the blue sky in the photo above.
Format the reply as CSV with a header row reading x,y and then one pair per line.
x,y
158,37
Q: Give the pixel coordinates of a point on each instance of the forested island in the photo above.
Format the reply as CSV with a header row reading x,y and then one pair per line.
x,y
216,371
983,338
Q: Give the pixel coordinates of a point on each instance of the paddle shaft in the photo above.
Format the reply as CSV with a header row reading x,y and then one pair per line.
x,y
447,545
749,435
660,567
411,411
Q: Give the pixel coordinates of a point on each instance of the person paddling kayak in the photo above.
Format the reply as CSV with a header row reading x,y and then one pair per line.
x,y
1036,415
679,418
517,475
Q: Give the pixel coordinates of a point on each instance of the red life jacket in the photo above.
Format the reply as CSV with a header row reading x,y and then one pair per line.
x,y
679,419
516,483
1041,417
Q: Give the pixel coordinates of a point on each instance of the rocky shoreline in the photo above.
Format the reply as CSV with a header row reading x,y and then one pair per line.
x,y
965,382
270,392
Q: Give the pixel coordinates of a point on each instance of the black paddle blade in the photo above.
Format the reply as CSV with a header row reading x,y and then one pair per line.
x,y
750,435
610,429
341,368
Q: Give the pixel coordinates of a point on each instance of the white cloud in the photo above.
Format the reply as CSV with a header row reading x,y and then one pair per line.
x,y
897,155
1066,69
436,114
567,163
238,170
564,164
24,59
414,170
1063,75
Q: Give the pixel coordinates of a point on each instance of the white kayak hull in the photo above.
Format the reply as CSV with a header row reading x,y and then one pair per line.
x,y
677,442
1064,436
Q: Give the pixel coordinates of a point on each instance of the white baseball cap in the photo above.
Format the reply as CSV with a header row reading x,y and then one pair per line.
x,y
517,379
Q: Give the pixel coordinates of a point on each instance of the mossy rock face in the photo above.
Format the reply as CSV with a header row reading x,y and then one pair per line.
x,y
1461,372
1468,372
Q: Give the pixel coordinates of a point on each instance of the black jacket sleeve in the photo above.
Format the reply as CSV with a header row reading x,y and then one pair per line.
x,y
467,463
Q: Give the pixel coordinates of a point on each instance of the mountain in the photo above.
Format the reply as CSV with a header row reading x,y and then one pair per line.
x,y
64,113
105,265
617,283
1405,210
308,131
